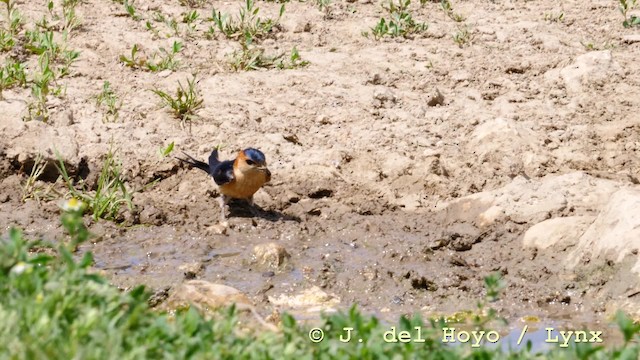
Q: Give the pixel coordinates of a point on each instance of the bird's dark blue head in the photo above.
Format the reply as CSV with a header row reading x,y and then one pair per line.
x,y
255,155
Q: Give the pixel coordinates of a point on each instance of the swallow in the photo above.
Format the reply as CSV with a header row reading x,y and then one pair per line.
x,y
236,179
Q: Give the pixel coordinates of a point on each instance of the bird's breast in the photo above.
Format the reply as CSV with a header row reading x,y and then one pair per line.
x,y
244,185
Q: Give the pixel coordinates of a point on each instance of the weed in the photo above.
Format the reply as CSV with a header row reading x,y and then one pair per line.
x,y
591,46
68,58
553,17
186,101
6,40
110,100
31,189
40,88
166,151
13,18
110,194
12,74
246,24
132,61
295,61
400,23
324,6
167,59
463,36
128,7
47,295
190,17
42,42
251,57
448,9
625,7
193,3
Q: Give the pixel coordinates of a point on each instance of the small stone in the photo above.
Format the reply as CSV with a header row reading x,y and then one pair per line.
x,y
436,98
271,254
438,243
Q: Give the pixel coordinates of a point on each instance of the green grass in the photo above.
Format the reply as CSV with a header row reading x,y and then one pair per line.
x,y
54,306
110,193
186,101
400,22
251,57
108,99
246,24
12,74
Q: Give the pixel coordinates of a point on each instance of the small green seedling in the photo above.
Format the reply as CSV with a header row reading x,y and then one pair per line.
x,y
110,100
246,23
463,36
448,9
40,89
399,23
553,17
193,3
110,194
32,189
132,61
625,7
167,59
12,74
128,6
166,151
185,102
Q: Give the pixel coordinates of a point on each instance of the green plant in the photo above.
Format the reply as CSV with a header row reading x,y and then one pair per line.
x,y
132,61
13,18
110,100
110,193
400,22
190,17
625,7
295,61
43,42
12,74
53,305
40,88
6,40
462,36
167,59
193,3
324,5
186,101
164,152
448,9
128,7
246,24
32,189
553,17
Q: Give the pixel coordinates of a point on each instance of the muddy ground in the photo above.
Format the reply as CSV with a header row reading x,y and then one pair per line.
x,y
384,154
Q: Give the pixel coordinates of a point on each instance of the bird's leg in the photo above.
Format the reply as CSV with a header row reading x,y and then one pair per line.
x,y
223,200
252,207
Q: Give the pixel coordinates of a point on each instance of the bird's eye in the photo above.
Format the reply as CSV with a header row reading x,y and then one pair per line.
x,y
250,162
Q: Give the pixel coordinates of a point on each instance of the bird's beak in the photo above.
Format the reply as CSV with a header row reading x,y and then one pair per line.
x,y
263,168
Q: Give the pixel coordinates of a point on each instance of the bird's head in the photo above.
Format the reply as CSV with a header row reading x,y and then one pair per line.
x,y
250,160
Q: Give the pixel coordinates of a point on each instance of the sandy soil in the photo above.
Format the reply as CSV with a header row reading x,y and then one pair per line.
x,y
377,180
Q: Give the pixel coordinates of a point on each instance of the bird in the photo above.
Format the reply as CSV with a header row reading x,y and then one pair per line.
x,y
236,179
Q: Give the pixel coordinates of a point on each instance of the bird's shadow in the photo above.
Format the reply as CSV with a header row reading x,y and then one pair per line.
x,y
242,209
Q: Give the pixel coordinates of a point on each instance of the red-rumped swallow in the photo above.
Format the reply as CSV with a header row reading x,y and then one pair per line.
x,y
236,179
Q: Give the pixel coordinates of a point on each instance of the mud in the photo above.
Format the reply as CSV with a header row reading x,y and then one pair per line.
x,y
374,147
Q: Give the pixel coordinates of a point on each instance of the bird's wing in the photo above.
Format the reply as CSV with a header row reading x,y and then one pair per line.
x,y
194,162
213,161
223,172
